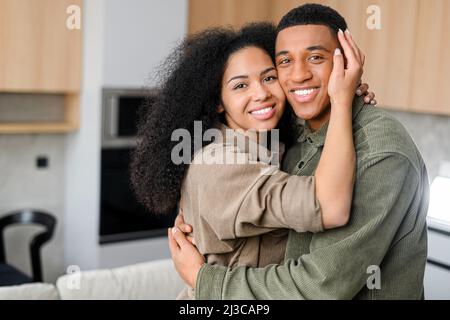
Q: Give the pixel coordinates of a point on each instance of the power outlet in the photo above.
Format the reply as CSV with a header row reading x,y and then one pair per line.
x,y
42,162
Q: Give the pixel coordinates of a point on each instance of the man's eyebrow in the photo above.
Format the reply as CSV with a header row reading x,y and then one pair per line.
x,y
310,48
237,77
280,53
317,47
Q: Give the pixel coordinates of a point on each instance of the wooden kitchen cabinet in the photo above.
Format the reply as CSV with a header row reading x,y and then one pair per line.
x,y
431,78
407,60
210,13
39,54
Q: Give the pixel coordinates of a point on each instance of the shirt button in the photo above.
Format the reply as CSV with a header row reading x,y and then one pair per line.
x,y
309,140
301,164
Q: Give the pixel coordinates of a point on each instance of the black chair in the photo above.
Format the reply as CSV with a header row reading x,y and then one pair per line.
x,y
10,275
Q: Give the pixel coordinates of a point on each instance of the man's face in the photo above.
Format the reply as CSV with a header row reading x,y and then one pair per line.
x,y
304,60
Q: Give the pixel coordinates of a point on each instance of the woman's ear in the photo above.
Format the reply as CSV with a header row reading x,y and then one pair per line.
x,y
220,108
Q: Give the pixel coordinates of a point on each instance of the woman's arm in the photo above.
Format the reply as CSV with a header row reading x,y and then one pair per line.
x,y
336,170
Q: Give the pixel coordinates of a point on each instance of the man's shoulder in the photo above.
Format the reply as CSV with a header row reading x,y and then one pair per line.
x,y
377,133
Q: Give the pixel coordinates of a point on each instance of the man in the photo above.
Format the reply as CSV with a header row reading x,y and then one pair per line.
x,y
381,253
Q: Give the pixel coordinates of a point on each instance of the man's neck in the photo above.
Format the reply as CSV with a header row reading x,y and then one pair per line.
x,y
316,123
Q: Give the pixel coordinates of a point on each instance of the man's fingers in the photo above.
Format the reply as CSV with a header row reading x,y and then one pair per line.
x,y
185,228
179,223
173,245
191,240
362,89
370,96
180,237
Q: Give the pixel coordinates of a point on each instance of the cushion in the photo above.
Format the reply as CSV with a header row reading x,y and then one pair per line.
x,y
30,291
151,280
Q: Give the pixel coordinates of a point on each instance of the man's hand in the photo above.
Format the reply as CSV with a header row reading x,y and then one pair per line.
x,y
185,256
369,97
184,227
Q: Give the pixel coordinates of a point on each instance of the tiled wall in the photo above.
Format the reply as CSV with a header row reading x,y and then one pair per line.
x,y
431,133
23,185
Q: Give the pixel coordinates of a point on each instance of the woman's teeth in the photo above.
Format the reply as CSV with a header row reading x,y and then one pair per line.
x,y
262,111
304,92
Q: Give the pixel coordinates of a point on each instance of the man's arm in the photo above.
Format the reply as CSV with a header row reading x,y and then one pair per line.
x,y
337,264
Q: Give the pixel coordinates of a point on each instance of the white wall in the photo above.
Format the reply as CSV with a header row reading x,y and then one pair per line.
x,y
123,41
138,35
83,149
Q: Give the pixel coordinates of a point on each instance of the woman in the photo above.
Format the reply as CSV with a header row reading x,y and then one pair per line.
x,y
240,211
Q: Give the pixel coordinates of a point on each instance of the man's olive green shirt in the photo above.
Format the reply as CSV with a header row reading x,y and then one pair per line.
x,y
380,254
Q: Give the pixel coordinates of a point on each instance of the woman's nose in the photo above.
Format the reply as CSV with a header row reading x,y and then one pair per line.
x,y
261,93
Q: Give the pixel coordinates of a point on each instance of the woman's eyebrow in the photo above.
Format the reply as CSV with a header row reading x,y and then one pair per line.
x,y
246,77
238,77
267,70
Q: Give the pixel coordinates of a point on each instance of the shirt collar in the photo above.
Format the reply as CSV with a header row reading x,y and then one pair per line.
x,y
317,138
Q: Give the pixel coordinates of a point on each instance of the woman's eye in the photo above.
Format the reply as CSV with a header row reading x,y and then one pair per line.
x,y
270,78
239,86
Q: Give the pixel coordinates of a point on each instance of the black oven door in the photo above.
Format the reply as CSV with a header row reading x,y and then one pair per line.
x,y
122,217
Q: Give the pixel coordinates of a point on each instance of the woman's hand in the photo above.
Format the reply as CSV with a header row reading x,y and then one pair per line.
x,y
344,80
185,256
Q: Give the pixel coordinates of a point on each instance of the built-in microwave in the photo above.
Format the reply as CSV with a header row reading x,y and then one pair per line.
x,y
121,109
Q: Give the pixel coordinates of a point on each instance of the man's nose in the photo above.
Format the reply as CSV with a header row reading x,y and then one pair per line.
x,y
300,73
260,92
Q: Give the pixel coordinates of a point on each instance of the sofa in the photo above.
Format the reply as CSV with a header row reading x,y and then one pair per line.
x,y
155,280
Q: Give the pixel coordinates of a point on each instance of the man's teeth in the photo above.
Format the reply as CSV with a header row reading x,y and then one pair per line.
x,y
262,111
304,92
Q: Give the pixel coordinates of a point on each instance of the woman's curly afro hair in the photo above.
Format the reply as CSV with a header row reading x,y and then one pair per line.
x,y
190,91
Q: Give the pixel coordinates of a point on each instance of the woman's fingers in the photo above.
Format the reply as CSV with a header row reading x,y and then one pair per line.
x,y
352,43
352,60
338,64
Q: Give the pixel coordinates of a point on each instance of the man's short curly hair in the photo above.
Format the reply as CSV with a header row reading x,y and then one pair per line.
x,y
313,13
190,91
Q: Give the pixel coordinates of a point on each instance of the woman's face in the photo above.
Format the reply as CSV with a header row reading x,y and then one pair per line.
x,y
251,95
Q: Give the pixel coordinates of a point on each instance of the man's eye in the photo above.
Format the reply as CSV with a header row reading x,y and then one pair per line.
x,y
283,61
315,58
239,86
